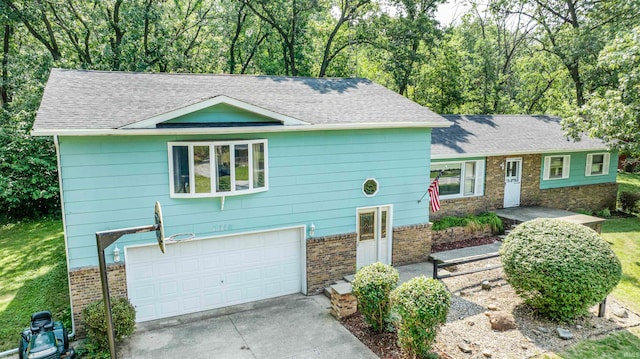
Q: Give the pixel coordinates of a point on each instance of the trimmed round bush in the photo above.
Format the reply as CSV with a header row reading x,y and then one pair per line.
x,y
124,321
371,286
559,268
421,305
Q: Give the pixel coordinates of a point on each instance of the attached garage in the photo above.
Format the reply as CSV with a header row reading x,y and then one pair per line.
x,y
205,274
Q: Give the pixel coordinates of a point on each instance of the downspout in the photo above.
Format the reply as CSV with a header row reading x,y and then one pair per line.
x,y
64,227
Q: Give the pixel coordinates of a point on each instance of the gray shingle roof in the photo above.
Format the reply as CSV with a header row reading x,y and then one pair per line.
x,y
485,135
94,100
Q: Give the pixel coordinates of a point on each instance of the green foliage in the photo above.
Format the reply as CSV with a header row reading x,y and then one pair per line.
x,y
487,219
422,305
371,286
28,175
559,268
630,201
614,346
124,321
612,111
33,276
604,213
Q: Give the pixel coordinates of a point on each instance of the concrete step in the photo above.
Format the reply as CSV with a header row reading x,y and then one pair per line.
x,y
327,290
349,278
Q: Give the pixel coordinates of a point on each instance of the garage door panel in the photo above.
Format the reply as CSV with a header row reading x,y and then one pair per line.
x,y
192,303
213,273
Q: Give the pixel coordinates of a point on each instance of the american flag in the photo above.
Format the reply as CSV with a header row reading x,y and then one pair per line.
x,y
434,195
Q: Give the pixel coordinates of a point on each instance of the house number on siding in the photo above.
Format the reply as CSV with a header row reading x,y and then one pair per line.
x,y
221,227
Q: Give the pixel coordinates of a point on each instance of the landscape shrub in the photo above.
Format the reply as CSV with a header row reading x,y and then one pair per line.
x,y
630,201
487,219
559,268
421,306
371,286
124,321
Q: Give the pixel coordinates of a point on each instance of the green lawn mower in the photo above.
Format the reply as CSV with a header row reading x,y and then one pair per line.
x,y
45,339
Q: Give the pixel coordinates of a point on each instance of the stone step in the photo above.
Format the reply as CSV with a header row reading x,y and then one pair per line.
x,y
349,278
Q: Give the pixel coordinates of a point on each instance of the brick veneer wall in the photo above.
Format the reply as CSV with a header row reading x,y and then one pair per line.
x,y
594,197
457,234
328,259
85,287
411,244
589,197
331,258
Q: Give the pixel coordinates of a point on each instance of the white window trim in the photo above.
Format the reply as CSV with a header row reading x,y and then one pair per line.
x,y
479,176
566,167
233,191
606,158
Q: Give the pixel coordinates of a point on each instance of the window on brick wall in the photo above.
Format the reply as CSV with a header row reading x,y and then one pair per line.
x,y
459,179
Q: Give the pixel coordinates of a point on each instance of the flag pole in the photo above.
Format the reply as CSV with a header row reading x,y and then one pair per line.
x,y
437,177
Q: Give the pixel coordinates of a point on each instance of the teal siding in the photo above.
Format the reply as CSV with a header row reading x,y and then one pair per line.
x,y
113,182
221,113
577,169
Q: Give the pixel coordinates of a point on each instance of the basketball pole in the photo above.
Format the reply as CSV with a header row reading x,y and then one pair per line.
x,y
104,239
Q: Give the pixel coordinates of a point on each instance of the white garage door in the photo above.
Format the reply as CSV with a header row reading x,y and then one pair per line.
x,y
211,273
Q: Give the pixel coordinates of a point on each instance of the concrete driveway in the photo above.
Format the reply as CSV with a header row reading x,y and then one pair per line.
x,y
294,326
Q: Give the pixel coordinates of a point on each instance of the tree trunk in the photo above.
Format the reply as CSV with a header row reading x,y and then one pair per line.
x,y
4,85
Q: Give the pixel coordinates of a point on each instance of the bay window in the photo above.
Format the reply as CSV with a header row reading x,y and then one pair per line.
x,y
220,168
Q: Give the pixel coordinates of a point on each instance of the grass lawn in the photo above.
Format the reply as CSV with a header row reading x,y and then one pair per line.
x,y
624,236
624,344
33,276
628,182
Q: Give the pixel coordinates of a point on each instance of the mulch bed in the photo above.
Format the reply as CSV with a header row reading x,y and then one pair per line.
x,y
385,345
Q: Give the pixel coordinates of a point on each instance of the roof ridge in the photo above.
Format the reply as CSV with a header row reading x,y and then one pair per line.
x,y
206,74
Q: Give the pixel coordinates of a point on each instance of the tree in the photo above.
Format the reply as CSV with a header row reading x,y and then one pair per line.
x,y
349,10
613,112
290,22
573,30
400,30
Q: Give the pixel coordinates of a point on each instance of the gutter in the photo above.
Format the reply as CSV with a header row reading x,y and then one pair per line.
x,y
232,130
518,153
8,352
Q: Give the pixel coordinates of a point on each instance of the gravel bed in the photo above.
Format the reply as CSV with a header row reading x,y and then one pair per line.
x,y
468,326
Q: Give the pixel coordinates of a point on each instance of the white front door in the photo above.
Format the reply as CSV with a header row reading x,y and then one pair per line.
x,y
374,235
212,273
512,182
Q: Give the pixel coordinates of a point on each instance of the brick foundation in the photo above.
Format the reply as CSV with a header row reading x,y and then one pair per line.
x,y
85,288
328,259
456,234
588,197
594,197
411,244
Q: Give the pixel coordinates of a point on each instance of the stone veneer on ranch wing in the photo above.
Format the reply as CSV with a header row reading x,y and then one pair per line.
x,y
589,197
328,259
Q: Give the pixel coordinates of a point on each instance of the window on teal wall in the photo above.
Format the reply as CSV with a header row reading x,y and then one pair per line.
x,y
597,164
556,167
459,179
221,168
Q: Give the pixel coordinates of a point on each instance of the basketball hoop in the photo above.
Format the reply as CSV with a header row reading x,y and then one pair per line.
x,y
159,227
180,237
